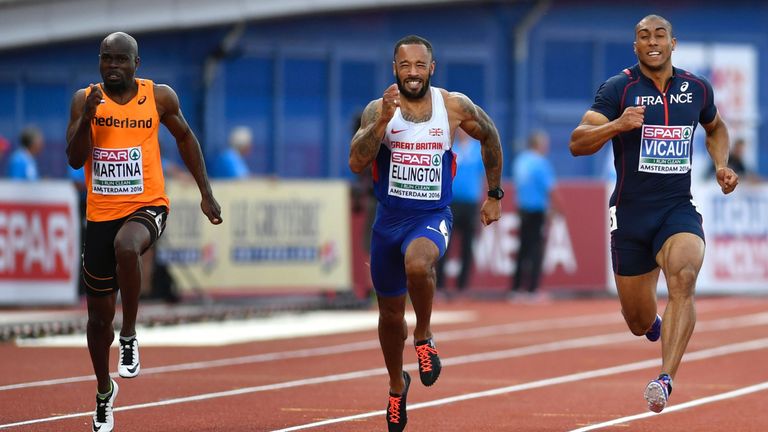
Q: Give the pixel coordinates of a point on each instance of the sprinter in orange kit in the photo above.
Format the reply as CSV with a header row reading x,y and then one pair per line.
x,y
113,131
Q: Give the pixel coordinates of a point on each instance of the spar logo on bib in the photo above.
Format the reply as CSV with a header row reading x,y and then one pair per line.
x,y
665,149
117,171
416,175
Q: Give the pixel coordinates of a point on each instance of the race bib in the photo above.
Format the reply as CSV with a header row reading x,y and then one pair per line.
x,y
665,149
416,175
117,171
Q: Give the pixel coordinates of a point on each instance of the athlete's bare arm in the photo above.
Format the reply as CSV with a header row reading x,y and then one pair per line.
x,y
170,115
373,125
717,146
595,129
477,124
81,112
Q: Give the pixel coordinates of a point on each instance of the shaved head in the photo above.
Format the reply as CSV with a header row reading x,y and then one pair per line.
x,y
664,22
122,40
118,61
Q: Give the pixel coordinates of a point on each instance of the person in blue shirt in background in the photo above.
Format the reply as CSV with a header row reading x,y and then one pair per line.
x,y
534,180
231,164
467,194
22,164
77,177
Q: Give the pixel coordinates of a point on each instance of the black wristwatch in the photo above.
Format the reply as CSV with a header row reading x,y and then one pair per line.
x,y
497,193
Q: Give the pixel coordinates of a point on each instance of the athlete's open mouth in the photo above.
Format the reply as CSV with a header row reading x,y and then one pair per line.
x,y
413,84
654,53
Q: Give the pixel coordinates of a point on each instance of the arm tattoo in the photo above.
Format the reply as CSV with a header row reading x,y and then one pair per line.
x,y
365,144
480,126
490,147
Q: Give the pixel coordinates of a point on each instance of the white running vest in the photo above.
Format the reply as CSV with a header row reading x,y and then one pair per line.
x,y
418,165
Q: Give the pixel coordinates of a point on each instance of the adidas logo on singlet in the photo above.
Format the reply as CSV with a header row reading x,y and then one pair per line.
x,y
122,123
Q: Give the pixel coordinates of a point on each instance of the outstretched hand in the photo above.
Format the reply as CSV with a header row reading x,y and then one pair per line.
x,y
727,179
490,212
211,209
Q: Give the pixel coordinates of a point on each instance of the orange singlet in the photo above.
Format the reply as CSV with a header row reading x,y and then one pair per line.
x,y
124,172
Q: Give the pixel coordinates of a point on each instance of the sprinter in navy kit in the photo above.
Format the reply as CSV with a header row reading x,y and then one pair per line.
x,y
650,112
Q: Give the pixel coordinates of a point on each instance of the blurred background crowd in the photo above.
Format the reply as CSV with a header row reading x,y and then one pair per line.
x,y
274,90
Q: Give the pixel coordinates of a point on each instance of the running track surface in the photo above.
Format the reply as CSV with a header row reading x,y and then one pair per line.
x,y
561,366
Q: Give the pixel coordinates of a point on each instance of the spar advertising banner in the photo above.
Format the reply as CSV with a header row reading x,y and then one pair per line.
x,y
277,236
736,230
39,243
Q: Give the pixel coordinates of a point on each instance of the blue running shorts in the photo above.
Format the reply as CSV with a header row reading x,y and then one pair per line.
x,y
393,231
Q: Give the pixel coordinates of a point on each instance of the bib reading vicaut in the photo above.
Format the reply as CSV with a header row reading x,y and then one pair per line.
x,y
124,172
415,165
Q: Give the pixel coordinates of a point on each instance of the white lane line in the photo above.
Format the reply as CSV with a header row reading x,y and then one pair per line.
x,y
693,403
615,370
590,341
475,358
479,332
486,331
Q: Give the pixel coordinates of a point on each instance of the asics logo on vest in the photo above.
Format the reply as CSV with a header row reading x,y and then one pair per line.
x,y
122,123
142,100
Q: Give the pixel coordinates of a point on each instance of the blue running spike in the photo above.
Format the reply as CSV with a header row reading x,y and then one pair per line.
x,y
657,393
655,332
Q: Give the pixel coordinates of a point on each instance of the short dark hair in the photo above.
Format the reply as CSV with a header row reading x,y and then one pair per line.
x,y
657,17
413,40
29,135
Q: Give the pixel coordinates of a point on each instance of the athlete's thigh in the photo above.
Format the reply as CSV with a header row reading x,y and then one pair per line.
x,y
435,227
387,262
143,227
680,251
422,251
672,249
632,230
99,257
637,294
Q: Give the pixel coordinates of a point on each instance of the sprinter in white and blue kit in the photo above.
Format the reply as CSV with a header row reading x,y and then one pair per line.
x,y
651,112
406,135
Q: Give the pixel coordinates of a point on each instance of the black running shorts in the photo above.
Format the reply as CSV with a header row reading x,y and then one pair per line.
x,y
99,264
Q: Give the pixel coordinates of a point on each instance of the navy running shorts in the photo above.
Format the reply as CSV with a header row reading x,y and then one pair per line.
x,y
393,231
639,230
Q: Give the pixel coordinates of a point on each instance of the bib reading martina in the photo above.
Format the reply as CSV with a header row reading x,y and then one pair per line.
x,y
124,172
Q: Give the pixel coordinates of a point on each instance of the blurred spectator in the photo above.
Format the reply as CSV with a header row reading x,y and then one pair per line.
x,y
736,162
364,201
157,283
22,164
77,176
362,193
534,179
230,163
4,146
467,194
